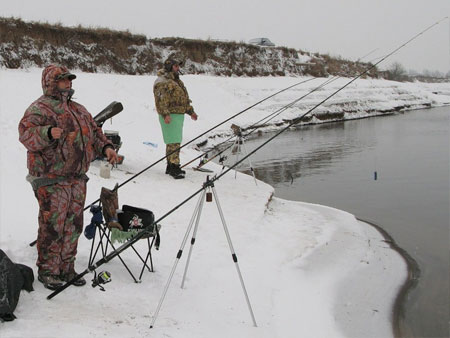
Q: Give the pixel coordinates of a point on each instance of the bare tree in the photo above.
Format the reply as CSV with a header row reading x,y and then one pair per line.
x,y
397,72
437,74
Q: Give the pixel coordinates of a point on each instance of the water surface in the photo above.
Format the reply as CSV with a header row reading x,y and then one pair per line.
x,y
334,164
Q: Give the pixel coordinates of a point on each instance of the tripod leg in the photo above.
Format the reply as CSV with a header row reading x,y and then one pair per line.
x,y
199,212
249,161
233,254
180,252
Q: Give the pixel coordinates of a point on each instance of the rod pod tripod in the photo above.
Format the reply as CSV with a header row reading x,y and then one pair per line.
x,y
208,185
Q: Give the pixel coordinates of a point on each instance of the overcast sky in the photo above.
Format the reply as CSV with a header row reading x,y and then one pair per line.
x,y
349,28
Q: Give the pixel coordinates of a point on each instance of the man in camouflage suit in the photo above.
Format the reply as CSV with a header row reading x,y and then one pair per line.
x,y
172,102
61,139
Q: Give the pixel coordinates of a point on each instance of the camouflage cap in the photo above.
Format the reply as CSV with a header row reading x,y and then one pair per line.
x,y
66,75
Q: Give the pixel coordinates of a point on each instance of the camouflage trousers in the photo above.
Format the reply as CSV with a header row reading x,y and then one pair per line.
x,y
60,225
175,157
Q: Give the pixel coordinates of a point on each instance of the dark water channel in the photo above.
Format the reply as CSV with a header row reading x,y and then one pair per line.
x,y
334,164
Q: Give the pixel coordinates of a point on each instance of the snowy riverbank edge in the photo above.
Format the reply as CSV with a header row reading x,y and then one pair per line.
x,y
310,270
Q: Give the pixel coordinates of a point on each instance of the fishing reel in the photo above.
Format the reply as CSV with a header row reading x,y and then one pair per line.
x,y
103,277
204,160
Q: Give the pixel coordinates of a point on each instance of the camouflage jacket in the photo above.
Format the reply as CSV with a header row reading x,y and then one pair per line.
x,y
171,96
81,142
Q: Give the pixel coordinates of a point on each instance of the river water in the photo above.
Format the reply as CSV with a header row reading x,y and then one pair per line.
x,y
392,171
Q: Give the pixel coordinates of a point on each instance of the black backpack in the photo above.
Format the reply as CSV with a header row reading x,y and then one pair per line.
x,y
13,278
136,219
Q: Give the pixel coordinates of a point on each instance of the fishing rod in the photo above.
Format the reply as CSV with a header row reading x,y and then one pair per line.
x,y
255,126
147,231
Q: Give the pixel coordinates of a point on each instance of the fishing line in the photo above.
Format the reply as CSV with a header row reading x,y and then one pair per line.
x,y
144,232
373,50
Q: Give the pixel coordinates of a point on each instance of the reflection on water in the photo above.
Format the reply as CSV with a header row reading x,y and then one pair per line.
x,y
334,165
311,151
308,163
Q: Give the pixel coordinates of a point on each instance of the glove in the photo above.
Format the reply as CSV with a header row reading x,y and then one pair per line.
x,y
97,218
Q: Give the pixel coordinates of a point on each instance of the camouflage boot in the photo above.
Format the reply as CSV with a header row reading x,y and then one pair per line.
x,y
67,277
50,282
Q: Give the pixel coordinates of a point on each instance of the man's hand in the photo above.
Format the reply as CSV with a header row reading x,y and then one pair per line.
x,y
194,116
56,132
111,155
167,119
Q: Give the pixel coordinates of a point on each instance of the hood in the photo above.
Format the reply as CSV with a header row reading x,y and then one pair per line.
x,y
161,72
49,75
168,75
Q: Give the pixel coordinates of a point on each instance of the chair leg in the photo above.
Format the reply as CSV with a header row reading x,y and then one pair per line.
x,y
91,259
102,231
142,260
150,245
123,262
104,249
107,242
149,255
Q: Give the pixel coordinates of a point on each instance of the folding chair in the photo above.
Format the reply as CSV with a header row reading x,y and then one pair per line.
x,y
121,225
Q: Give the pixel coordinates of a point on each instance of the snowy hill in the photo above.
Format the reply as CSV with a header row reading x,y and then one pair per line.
x,y
31,44
310,270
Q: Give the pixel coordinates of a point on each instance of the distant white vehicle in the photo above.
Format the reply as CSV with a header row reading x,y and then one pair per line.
x,y
261,42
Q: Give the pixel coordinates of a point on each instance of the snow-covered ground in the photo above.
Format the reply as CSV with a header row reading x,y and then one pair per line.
x,y
310,270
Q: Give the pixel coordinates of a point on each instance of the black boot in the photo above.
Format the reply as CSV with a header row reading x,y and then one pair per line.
x,y
179,170
175,171
168,169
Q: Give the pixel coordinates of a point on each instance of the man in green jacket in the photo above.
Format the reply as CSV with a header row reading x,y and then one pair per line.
x,y
172,102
